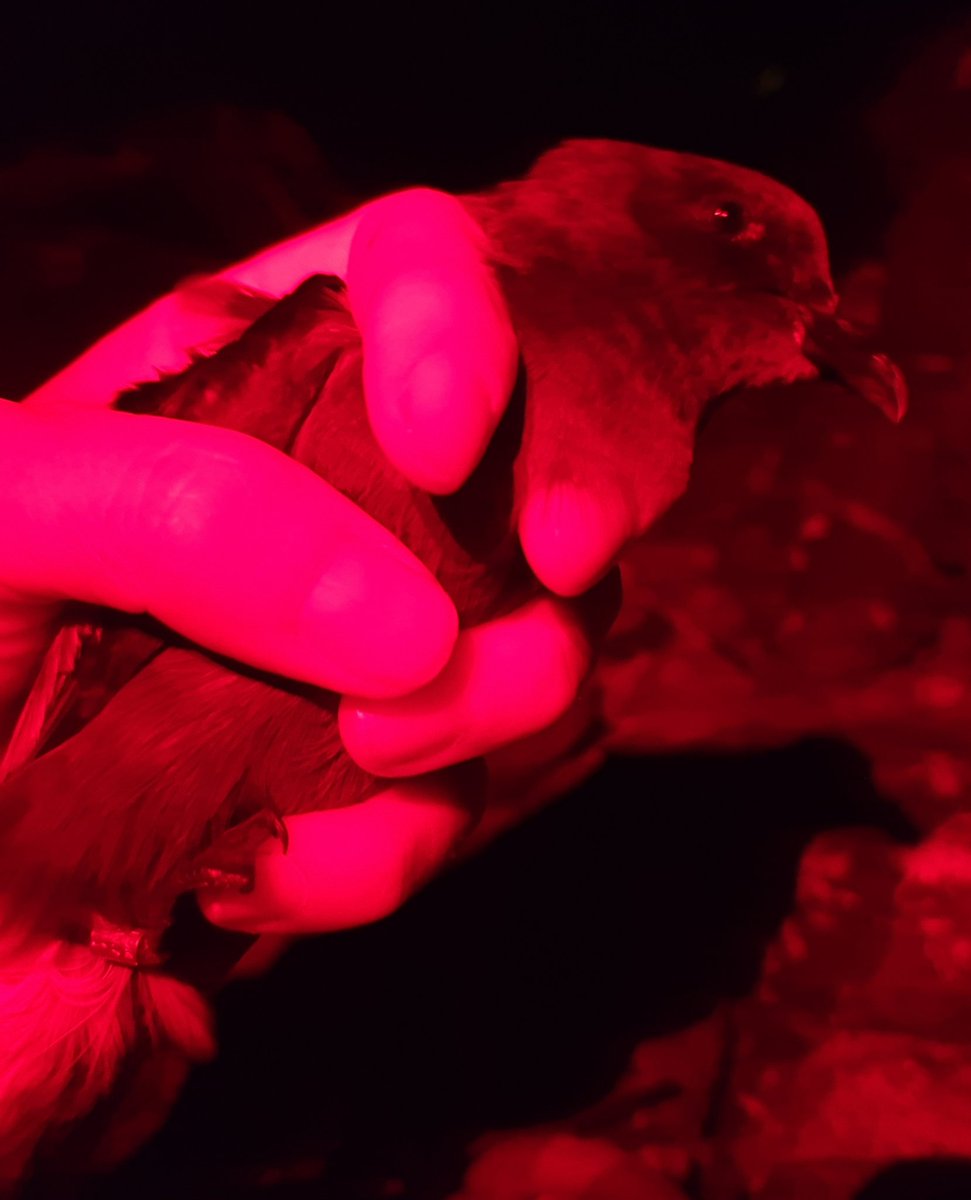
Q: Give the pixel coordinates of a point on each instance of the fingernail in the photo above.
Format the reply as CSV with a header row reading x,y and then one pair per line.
x,y
381,628
446,423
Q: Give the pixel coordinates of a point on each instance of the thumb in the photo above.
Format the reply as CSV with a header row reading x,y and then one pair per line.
x,y
222,538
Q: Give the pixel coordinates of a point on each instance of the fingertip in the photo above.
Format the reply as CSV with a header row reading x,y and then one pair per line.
x,y
423,731
436,424
425,647
437,384
280,890
507,679
440,354
379,627
571,536
351,866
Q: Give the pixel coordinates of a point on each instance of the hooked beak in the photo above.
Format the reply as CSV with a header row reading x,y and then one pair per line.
x,y
840,349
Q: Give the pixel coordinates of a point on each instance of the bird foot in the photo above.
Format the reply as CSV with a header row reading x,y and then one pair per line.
x,y
230,861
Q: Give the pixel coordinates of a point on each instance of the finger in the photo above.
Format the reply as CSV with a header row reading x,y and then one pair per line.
x,y
351,866
506,679
571,535
167,337
440,356
220,537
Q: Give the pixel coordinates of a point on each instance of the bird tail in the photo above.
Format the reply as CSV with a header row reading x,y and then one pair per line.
x,y
71,1018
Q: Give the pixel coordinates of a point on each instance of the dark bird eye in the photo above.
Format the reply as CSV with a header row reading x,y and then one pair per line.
x,y
730,219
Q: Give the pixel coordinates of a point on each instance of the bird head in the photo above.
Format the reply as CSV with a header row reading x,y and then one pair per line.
x,y
646,284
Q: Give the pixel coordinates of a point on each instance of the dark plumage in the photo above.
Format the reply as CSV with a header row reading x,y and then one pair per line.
x,y
643,284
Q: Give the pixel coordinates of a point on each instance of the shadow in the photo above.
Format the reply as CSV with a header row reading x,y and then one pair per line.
x,y
513,991
923,1178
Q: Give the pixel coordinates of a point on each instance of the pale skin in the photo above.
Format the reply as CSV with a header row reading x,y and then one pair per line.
x,y
246,552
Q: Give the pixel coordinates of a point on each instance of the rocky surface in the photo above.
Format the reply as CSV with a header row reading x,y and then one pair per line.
x,y
730,981
815,580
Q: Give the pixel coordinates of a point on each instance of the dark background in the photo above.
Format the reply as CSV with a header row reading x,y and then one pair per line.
x,y
463,95
133,152
514,991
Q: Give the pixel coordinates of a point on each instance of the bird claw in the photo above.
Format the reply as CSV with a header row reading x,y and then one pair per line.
x,y
277,827
230,861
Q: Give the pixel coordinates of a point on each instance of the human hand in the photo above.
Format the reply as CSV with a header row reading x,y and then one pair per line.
x,y
180,520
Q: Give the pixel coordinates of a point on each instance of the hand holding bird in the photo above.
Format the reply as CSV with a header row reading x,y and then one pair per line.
x,y
643,285
100,508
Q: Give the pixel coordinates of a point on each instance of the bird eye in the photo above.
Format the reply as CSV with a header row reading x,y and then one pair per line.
x,y
729,218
